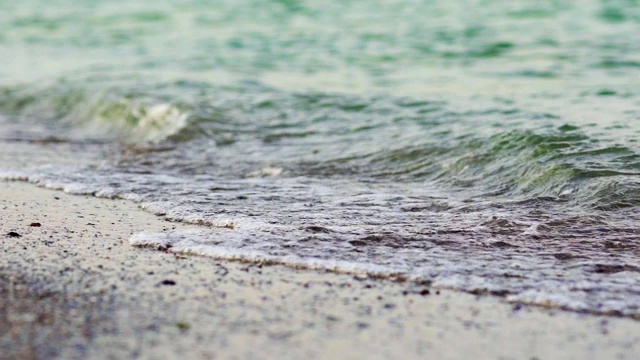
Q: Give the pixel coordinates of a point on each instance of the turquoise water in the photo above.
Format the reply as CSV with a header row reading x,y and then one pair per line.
x,y
485,146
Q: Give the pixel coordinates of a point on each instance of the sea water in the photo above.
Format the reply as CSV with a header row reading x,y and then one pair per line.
x,y
486,146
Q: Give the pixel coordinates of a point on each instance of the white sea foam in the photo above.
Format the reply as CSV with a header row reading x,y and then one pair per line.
x,y
188,243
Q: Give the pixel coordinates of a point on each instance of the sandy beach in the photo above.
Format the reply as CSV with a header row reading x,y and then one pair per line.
x,y
72,287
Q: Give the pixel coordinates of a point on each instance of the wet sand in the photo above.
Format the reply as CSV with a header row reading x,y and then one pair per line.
x,y
73,287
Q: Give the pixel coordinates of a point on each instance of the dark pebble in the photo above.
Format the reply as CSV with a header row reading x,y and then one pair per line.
x,y
425,292
14,234
35,224
164,247
317,229
168,282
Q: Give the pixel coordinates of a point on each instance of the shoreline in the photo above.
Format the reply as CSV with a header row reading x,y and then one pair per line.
x,y
74,288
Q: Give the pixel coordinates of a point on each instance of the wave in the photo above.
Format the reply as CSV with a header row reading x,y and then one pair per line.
x,y
108,112
483,151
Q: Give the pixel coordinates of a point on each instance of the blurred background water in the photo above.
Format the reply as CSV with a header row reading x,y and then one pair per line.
x,y
489,146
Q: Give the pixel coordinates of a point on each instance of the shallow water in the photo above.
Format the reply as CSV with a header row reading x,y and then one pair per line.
x,y
490,147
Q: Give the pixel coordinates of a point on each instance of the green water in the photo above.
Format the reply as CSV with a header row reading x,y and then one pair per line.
x,y
390,46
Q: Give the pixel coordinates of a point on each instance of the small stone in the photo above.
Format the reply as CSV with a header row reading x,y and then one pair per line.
x,y
183,326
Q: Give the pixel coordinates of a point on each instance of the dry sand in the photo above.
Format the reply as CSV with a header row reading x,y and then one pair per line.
x,y
74,288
